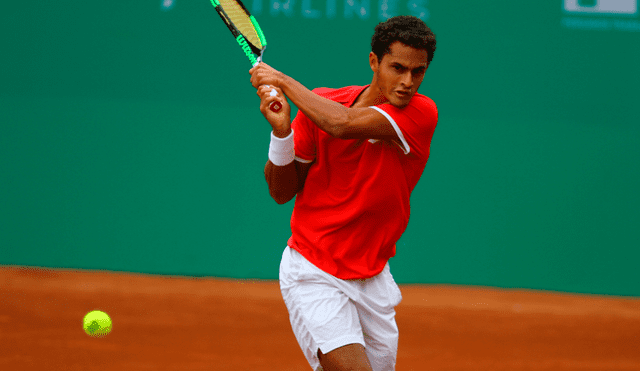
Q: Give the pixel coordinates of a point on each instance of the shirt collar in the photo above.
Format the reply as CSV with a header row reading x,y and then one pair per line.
x,y
353,97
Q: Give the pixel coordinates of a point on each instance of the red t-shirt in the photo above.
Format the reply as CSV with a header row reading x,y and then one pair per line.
x,y
354,205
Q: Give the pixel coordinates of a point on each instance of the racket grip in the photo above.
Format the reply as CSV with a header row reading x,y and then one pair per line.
x,y
275,106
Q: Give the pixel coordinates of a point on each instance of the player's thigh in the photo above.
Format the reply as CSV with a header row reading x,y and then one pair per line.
x,y
326,313
348,357
322,316
381,336
377,315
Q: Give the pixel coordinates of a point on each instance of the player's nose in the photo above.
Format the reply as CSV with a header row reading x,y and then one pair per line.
x,y
406,81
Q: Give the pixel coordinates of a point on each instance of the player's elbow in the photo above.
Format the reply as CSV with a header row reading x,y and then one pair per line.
x,y
339,130
281,198
282,201
347,126
332,125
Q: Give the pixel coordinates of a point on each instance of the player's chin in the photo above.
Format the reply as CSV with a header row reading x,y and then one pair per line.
x,y
400,103
399,99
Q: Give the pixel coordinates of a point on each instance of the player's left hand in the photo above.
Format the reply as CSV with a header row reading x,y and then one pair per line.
x,y
263,74
281,120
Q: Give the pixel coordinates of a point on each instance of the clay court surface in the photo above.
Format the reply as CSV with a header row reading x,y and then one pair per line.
x,y
180,323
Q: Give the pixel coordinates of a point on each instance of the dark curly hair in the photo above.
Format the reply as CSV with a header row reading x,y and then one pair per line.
x,y
409,30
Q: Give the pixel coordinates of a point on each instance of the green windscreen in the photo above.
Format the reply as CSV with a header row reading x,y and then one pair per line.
x,y
131,137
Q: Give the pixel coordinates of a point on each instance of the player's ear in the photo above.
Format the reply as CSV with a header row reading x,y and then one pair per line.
x,y
373,61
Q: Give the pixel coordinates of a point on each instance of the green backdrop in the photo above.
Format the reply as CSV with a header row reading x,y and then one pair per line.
x,y
131,139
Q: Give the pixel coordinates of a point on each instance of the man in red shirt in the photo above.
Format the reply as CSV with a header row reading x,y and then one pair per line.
x,y
352,156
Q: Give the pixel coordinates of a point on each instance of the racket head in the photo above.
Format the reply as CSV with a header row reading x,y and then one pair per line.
x,y
246,31
243,26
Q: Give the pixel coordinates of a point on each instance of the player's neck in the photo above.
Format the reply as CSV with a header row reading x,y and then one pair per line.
x,y
371,96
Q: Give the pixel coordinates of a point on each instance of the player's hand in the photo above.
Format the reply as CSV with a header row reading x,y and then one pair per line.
x,y
280,121
263,74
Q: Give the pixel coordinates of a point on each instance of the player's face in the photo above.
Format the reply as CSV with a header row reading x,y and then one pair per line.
x,y
400,73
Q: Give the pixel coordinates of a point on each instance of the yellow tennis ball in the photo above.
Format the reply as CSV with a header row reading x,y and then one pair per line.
x,y
97,323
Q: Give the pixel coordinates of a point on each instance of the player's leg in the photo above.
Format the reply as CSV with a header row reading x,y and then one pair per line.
x,y
376,310
322,317
381,338
348,357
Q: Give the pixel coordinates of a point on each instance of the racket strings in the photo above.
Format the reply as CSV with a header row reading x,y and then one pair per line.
x,y
239,17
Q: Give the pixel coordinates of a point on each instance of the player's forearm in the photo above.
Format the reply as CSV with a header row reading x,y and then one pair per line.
x,y
282,181
328,115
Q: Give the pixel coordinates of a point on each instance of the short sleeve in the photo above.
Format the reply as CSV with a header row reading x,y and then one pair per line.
x,y
414,124
304,138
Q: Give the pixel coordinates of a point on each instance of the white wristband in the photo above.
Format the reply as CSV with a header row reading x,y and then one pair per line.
x,y
281,151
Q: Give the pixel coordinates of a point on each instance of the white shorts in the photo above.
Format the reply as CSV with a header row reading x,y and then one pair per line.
x,y
327,313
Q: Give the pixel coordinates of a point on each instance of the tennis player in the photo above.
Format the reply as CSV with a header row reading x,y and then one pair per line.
x,y
352,156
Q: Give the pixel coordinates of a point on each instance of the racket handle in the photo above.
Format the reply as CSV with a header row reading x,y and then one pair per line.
x,y
275,106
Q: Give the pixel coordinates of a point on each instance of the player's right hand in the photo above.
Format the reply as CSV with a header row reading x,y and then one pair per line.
x,y
280,121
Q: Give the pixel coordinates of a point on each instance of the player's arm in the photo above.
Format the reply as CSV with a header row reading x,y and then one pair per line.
x,y
285,181
332,117
286,178
335,119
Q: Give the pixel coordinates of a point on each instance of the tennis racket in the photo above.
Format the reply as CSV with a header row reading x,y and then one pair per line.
x,y
247,33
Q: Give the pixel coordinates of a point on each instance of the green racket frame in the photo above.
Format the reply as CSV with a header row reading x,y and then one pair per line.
x,y
251,51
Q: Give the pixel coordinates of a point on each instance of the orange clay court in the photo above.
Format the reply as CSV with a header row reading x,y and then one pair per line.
x,y
181,323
